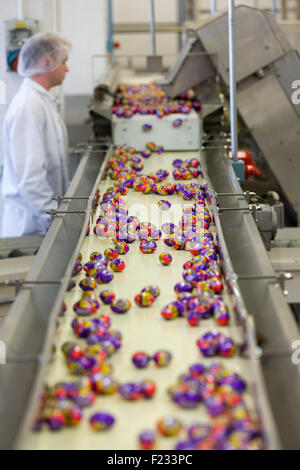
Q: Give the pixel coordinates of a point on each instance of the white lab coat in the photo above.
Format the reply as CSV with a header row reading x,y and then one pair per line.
x,y
35,161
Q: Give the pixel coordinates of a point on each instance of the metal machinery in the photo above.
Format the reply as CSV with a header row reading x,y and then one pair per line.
x,y
262,323
267,67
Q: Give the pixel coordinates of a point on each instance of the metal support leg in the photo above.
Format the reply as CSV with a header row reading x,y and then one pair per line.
x,y
181,19
284,9
232,79
213,7
152,26
154,61
110,29
238,166
273,7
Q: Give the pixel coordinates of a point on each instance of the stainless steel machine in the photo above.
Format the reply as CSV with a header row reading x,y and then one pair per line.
x,y
267,71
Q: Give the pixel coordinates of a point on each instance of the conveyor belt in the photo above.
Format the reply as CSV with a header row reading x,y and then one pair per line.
x,y
142,329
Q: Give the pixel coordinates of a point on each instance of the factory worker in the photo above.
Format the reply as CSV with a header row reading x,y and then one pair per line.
x,y
35,139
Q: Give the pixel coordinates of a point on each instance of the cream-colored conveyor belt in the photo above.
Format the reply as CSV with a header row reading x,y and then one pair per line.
x,y
142,329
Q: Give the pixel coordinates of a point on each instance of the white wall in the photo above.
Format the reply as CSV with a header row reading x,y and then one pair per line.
x,y
223,4
83,22
265,4
133,11
138,11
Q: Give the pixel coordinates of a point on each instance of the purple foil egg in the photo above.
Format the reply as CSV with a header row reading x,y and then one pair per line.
x,y
155,234
198,432
147,127
197,370
215,406
76,269
177,123
96,256
141,359
131,391
101,421
37,425
147,439
104,277
180,305
116,342
182,287
168,228
88,284
189,399
146,154
121,306
71,285
193,318
136,159
168,241
235,381
185,445
130,237
55,422
226,347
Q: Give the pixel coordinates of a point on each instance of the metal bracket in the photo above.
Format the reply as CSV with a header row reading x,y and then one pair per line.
x,y
280,277
8,300
247,194
92,145
53,213
229,209
208,147
19,283
283,276
254,277
276,353
28,359
59,199
252,208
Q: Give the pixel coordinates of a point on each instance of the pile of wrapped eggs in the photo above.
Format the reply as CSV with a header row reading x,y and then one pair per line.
x,y
150,99
216,387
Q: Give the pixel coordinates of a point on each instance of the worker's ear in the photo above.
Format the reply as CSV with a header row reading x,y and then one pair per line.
x,y
45,63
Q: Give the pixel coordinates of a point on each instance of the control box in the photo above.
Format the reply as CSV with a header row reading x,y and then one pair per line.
x,y
16,33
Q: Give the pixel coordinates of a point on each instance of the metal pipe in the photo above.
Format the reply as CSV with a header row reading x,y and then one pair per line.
x,y
181,19
213,7
273,7
54,16
152,26
110,31
232,79
20,10
59,93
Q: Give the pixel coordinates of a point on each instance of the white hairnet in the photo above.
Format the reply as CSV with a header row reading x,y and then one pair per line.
x,y
42,53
